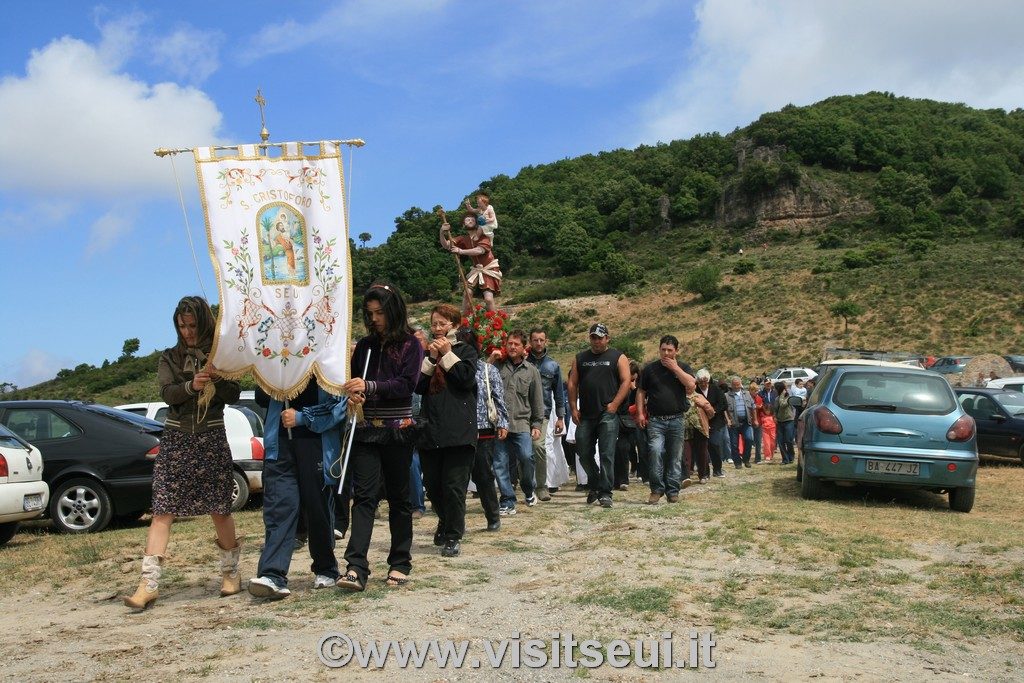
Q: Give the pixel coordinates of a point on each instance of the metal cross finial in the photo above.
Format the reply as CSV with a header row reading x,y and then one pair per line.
x,y
264,133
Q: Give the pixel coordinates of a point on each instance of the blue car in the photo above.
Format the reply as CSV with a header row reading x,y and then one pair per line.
x,y
884,424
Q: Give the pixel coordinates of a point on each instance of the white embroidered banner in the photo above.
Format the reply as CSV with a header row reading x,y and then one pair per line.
x,y
279,243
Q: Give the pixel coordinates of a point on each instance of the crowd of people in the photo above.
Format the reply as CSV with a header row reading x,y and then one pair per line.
x,y
434,412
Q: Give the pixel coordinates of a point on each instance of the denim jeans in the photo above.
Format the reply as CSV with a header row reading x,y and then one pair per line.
x,y
718,447
739,459
757,444
665,453
602,432
787,430
416,484
520,446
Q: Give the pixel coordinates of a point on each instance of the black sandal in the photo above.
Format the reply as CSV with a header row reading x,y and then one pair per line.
x,y
395,581
352,582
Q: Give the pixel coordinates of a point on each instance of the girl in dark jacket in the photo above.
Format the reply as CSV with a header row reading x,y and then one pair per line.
x,y
384,440
448,443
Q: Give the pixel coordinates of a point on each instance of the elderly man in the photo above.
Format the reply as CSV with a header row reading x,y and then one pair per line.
x,y
719,440
598,384
660,404
742,418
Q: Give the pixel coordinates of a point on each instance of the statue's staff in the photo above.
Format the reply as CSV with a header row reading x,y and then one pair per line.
x,y
446,229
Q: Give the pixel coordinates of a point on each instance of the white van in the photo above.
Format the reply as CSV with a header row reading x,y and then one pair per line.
x,y
244,430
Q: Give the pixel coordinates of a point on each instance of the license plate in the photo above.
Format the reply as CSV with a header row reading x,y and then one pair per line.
x,y
912,469
33,501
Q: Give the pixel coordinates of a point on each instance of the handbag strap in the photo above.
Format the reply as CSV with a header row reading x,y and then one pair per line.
x,y
490,399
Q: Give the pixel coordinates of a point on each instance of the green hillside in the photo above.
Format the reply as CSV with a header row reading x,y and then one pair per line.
x,y
904,214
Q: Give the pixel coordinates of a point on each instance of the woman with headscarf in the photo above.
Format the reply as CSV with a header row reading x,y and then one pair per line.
x,y
192,473
448,444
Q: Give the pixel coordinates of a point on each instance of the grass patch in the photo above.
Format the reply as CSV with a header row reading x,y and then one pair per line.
x,y
260,623
643,600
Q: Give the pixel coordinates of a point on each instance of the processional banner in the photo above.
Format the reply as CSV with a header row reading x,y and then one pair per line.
x,y
278,238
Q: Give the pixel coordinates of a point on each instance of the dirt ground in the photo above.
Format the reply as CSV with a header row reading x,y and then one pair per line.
x,y
557,567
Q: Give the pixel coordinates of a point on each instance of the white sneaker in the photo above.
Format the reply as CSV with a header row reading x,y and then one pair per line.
x,y
322,581
531,501
264,587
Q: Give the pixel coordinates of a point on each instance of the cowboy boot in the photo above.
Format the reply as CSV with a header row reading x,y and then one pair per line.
x,y
231,582
148,590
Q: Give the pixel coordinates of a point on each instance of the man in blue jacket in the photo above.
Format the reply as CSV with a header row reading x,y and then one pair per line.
x,y
300,473
554,398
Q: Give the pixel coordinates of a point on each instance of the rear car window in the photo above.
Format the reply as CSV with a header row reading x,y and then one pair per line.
x,y
1013,401
40,424
894,392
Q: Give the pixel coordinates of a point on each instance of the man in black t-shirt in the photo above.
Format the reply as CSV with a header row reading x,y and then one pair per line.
x,y
598,384
660,404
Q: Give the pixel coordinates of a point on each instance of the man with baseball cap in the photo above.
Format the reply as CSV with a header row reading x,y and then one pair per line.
x,y
598,384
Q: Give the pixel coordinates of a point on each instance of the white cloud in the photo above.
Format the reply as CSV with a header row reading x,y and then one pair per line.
x,y
107,230
36,215
75,125
188,54
752,56
369,19
34,367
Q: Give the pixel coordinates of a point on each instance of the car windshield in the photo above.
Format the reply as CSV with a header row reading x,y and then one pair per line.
x,y
9,439
894,392
1011,401
136,421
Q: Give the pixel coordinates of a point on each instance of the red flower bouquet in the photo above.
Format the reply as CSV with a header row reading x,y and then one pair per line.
x,y
487,326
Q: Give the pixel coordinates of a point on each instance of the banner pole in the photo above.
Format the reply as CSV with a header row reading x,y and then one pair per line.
x,y
352,430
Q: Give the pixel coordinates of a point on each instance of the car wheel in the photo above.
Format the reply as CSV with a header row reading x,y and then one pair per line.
x,y
80,506
7,531
811,487
1021,454
961,499
239,491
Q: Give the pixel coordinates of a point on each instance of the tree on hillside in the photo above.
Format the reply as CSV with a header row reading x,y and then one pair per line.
x,y
130,348
847,310
364,237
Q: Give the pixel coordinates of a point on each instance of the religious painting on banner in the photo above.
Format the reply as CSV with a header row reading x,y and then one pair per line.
x,y
278,237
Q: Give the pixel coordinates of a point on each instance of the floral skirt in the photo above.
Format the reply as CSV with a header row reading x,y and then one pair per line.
x,y
192,474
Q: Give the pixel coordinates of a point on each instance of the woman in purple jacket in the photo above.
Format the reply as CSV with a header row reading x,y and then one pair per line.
x,y
384,439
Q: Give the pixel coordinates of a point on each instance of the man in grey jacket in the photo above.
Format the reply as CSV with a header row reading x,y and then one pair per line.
x,y
742,420
524,400
554,398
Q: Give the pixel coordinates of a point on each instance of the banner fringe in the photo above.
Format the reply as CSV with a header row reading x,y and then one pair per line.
x,y
286,394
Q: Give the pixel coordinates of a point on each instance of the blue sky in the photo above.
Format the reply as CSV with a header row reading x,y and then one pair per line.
x,y
445,93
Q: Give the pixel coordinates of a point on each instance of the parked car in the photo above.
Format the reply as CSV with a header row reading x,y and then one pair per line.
x,y
23,493
948,365
245,438
789,375
1016,362
1010,383
887,424
98,460
247,399
999,415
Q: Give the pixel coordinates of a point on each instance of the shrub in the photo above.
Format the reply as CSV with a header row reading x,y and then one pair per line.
x,y
829,240
704,280
744,266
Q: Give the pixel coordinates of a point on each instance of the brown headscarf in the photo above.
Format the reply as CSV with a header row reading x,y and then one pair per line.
x,y
192,359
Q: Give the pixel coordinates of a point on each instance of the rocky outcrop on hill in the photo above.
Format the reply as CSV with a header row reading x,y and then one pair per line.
x,y
791,204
